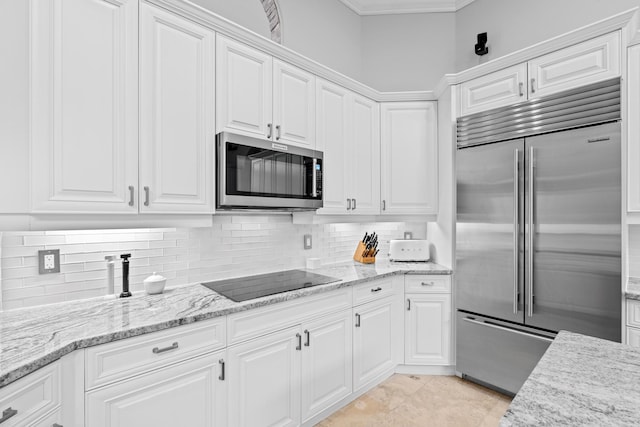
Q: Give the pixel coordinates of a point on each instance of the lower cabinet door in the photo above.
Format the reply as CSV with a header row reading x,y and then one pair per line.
x,y
428,329
374,341
327,374
264,380
187,394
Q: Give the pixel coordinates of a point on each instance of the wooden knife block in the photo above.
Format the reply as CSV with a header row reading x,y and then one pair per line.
x,y
357,256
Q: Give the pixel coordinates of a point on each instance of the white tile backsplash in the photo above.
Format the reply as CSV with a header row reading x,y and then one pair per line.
x,y
235,245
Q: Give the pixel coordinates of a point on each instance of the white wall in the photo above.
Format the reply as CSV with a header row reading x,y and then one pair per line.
x,y
248,13
234,246
407,52
326,31
515,24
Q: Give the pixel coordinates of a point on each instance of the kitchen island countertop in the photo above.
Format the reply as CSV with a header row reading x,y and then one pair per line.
x,y
580,381
31,338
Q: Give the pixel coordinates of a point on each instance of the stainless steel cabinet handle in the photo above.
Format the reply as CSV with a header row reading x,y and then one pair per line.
x,y
357,320
222,369
533,85
8,413
299,346
384,205
530,233
173,346
131,195
146,196
428,283
270,130
520,88
348,204
278,133
503,328
308,336
516,230
378,289
408,304
57,425
354,204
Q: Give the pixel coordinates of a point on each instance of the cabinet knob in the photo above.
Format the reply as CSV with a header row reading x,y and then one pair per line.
x,y
533,85
173,346
222,369
270,130
408,304
357,320
278,133
146,196
131,195
299,346
428,283
308,335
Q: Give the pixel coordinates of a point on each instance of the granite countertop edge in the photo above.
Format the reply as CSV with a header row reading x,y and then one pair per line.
x,y
54,341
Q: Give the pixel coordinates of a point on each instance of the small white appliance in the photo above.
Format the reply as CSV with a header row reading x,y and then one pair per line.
x,y
409,250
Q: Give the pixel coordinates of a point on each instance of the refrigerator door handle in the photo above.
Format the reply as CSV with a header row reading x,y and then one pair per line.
x,y
515,331
516,236
530,233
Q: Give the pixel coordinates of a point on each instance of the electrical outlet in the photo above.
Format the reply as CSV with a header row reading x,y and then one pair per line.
x,y
408,235
49,261
307,241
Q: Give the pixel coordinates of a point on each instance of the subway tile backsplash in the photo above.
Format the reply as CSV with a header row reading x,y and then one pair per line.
x,y
236,245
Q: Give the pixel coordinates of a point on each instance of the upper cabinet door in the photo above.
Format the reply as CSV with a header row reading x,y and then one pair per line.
x,y
409,158
293,105
332,119
177,69
364,156
588,62
244,89
84,105
504,87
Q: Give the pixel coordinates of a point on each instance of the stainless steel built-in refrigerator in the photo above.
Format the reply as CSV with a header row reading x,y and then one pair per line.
x,y
538,234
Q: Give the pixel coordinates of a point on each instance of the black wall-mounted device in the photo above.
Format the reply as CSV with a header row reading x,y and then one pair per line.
x,y
481,46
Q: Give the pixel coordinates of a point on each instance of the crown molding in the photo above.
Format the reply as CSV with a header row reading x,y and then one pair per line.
x,y
390,7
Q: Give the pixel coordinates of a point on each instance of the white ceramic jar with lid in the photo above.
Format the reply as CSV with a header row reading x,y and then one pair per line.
x,y
154,284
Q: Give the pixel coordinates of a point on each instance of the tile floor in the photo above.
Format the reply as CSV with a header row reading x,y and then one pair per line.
x,y
420,400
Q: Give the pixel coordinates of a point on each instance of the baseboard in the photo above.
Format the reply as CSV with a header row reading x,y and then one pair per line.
x,y
425,370
344,402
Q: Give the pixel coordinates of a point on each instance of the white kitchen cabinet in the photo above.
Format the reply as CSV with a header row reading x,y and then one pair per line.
x,y
177,100
84,106
427,326
264,380
633,129
504,87
331,119
349,136
428,329
327,373
588,62
190,393
377,341
263,97
584,63
28,399
409,158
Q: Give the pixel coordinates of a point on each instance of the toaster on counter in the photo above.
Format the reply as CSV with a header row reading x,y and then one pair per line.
x,y
409,250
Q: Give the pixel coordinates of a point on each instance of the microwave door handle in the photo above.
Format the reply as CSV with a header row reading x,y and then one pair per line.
x,y
314,179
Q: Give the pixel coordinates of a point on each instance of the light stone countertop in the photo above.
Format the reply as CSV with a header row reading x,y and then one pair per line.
x,y
580,381
633,288
31,338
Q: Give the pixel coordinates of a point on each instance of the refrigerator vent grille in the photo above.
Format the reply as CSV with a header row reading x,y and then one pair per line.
x,y
587,105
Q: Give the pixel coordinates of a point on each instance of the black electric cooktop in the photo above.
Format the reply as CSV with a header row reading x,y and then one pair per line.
x,y
246,288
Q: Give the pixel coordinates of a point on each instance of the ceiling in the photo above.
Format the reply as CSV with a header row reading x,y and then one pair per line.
x,y
392,7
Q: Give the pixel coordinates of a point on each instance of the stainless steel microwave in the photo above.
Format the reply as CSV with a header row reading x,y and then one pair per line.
x,y
255,173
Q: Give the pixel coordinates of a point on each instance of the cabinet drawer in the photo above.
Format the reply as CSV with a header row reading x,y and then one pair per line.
x,y
50,420
427,284
372,291
31,397
633,337
254,323
121,359
633,313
